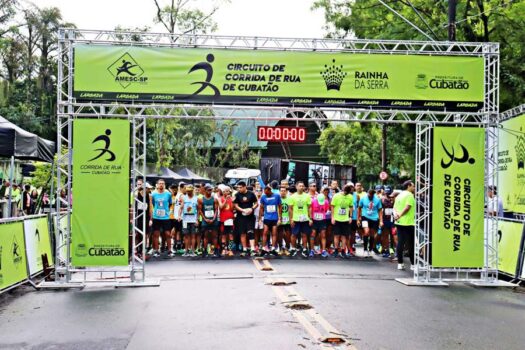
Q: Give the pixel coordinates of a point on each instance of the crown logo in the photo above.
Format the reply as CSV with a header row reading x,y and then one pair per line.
x,y
333,76
520,151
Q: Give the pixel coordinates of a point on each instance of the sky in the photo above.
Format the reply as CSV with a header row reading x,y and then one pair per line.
x,y
277,18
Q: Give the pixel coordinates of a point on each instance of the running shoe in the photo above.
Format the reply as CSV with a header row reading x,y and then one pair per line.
x,y
400,266
231,253
156,254
293,253
285,252
304,253
386,254
341,255
244,253
274,252
312,253
376,251
324,254
350,254
185,254
171,254
151,251
335,254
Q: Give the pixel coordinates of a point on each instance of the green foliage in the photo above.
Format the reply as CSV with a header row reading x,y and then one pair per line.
x,y
359,144
178,16
500,21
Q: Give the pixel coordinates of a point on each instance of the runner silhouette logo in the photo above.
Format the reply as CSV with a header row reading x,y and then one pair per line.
x,y
105,150
208,69
125,71
454,155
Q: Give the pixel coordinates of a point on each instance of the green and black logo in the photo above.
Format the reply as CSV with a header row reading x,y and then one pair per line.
x,y
126,71
17,258
421,81
520,150
453,157
208,69
107,141
333,76
81,250
37,234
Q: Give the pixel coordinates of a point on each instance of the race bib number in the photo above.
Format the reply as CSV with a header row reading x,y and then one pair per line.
x,y
160,212
389,211
364,224
342,211
228,222
246,212
285,220
208,214
318,216
184,225
270,209
190,219
303,218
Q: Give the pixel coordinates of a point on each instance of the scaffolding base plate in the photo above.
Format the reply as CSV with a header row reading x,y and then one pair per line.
x,y
146,283
493,284
60,285
413,282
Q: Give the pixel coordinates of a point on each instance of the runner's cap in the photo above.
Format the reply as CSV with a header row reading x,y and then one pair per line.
x,y
320,199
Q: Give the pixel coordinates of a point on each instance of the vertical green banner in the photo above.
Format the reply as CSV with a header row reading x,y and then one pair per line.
x,y
509,243
38,243
511,164
458,198
100,215
13,268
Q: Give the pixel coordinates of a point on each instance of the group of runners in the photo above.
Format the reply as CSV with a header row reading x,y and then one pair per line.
x,y
276,220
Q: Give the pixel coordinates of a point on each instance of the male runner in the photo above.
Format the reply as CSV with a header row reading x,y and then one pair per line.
x,y
284,226
370,216
188,216
245,203
300,203
270,212
208,207
342,208
160,201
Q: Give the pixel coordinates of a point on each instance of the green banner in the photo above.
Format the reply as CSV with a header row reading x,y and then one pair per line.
x,y
129,73
511,164
509,243
458,197
100,215
13,268
38,243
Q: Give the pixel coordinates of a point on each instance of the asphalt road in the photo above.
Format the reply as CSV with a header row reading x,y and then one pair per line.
x,y
218,304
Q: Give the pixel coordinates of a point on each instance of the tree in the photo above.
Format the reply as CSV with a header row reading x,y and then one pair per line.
x,y
477,21
179,17
359,144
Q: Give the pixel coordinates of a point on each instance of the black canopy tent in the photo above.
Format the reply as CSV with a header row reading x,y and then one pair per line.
x,y
18,143
168,175
190,176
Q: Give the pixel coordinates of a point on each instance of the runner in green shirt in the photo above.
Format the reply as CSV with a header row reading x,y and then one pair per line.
x,y
404,214
342,206
300,212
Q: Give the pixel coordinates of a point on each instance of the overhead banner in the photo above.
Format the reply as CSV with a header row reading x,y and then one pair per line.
x,y
13,268
38,243
458,197
511,164
100,215
264,77
509,245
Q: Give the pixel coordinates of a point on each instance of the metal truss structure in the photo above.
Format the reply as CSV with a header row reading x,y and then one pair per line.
x,y
513,112
69,109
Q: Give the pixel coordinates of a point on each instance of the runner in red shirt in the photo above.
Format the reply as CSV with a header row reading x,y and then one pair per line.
x,y
226,218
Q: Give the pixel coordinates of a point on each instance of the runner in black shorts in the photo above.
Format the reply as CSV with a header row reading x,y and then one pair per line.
x,y
342,206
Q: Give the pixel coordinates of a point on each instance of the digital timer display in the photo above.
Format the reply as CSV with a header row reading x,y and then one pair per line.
x,y
281,134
